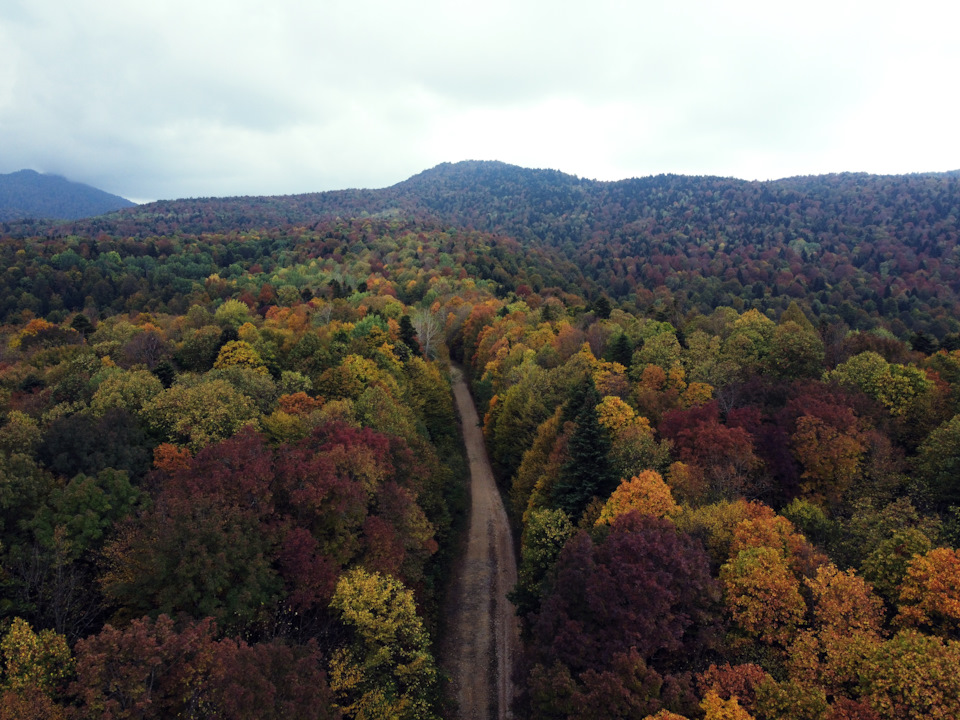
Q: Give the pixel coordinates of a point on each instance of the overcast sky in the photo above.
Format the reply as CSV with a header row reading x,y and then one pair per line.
x,y
186,98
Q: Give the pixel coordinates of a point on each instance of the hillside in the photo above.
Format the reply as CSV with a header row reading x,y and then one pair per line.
x,y
27,194
870,251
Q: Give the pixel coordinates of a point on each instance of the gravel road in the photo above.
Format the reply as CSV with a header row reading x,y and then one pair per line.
x,y
484,635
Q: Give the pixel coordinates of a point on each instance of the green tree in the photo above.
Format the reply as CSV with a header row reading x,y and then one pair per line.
x,y
84,511
518,414
938,463
749,344
21,434
200,414
620,350
662,350
232,314
887,562
534,463
793,313
795,352
408,335
198,351
634,449
913,677
544,536
899,388
125,390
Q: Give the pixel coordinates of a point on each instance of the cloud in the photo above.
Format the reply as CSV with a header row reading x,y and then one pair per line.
x,y
208,97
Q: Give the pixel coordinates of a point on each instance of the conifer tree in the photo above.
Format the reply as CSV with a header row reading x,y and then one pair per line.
x,y
588,473
408,335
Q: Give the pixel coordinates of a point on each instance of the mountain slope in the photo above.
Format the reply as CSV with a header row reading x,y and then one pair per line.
x,y
556,208
27,194
875,250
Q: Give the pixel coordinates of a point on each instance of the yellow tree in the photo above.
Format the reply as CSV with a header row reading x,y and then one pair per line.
x,y
645,493
354,375
765,528
34,660
847,625
831,458
387,671
34,670
695,394
239,353
716,523
716,708
930,592
615,415
844,602
763,595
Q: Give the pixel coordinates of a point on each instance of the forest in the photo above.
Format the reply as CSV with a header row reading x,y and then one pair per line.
x,y
724,416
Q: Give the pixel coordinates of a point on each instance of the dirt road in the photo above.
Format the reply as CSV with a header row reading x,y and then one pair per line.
x,y
484,635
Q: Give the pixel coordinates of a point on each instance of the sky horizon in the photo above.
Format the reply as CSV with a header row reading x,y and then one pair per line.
x,y
211,99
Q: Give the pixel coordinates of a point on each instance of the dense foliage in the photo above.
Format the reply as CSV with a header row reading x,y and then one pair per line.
x,y
192,505
230,475
780,539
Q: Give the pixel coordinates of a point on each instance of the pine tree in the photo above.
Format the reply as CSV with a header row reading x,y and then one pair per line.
x,y
588,473
408,335
620,350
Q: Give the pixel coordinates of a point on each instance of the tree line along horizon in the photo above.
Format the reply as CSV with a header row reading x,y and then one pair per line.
x,y
231,482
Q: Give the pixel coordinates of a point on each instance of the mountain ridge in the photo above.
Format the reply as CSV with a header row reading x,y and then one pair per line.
x,y
29,195
875,247
470,182
561,210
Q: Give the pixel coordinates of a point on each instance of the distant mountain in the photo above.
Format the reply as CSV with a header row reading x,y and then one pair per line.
x,y
548,206
30,195
867,248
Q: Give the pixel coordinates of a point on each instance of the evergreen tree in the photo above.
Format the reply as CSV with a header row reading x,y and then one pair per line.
x,y
602,308
81,323
921,342
620,350
408,335
587,474
166,372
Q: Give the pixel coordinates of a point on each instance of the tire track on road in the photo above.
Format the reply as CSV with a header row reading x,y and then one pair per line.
x,y
485,634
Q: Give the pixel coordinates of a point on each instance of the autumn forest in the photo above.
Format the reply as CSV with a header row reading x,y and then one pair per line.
x,y
724,417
